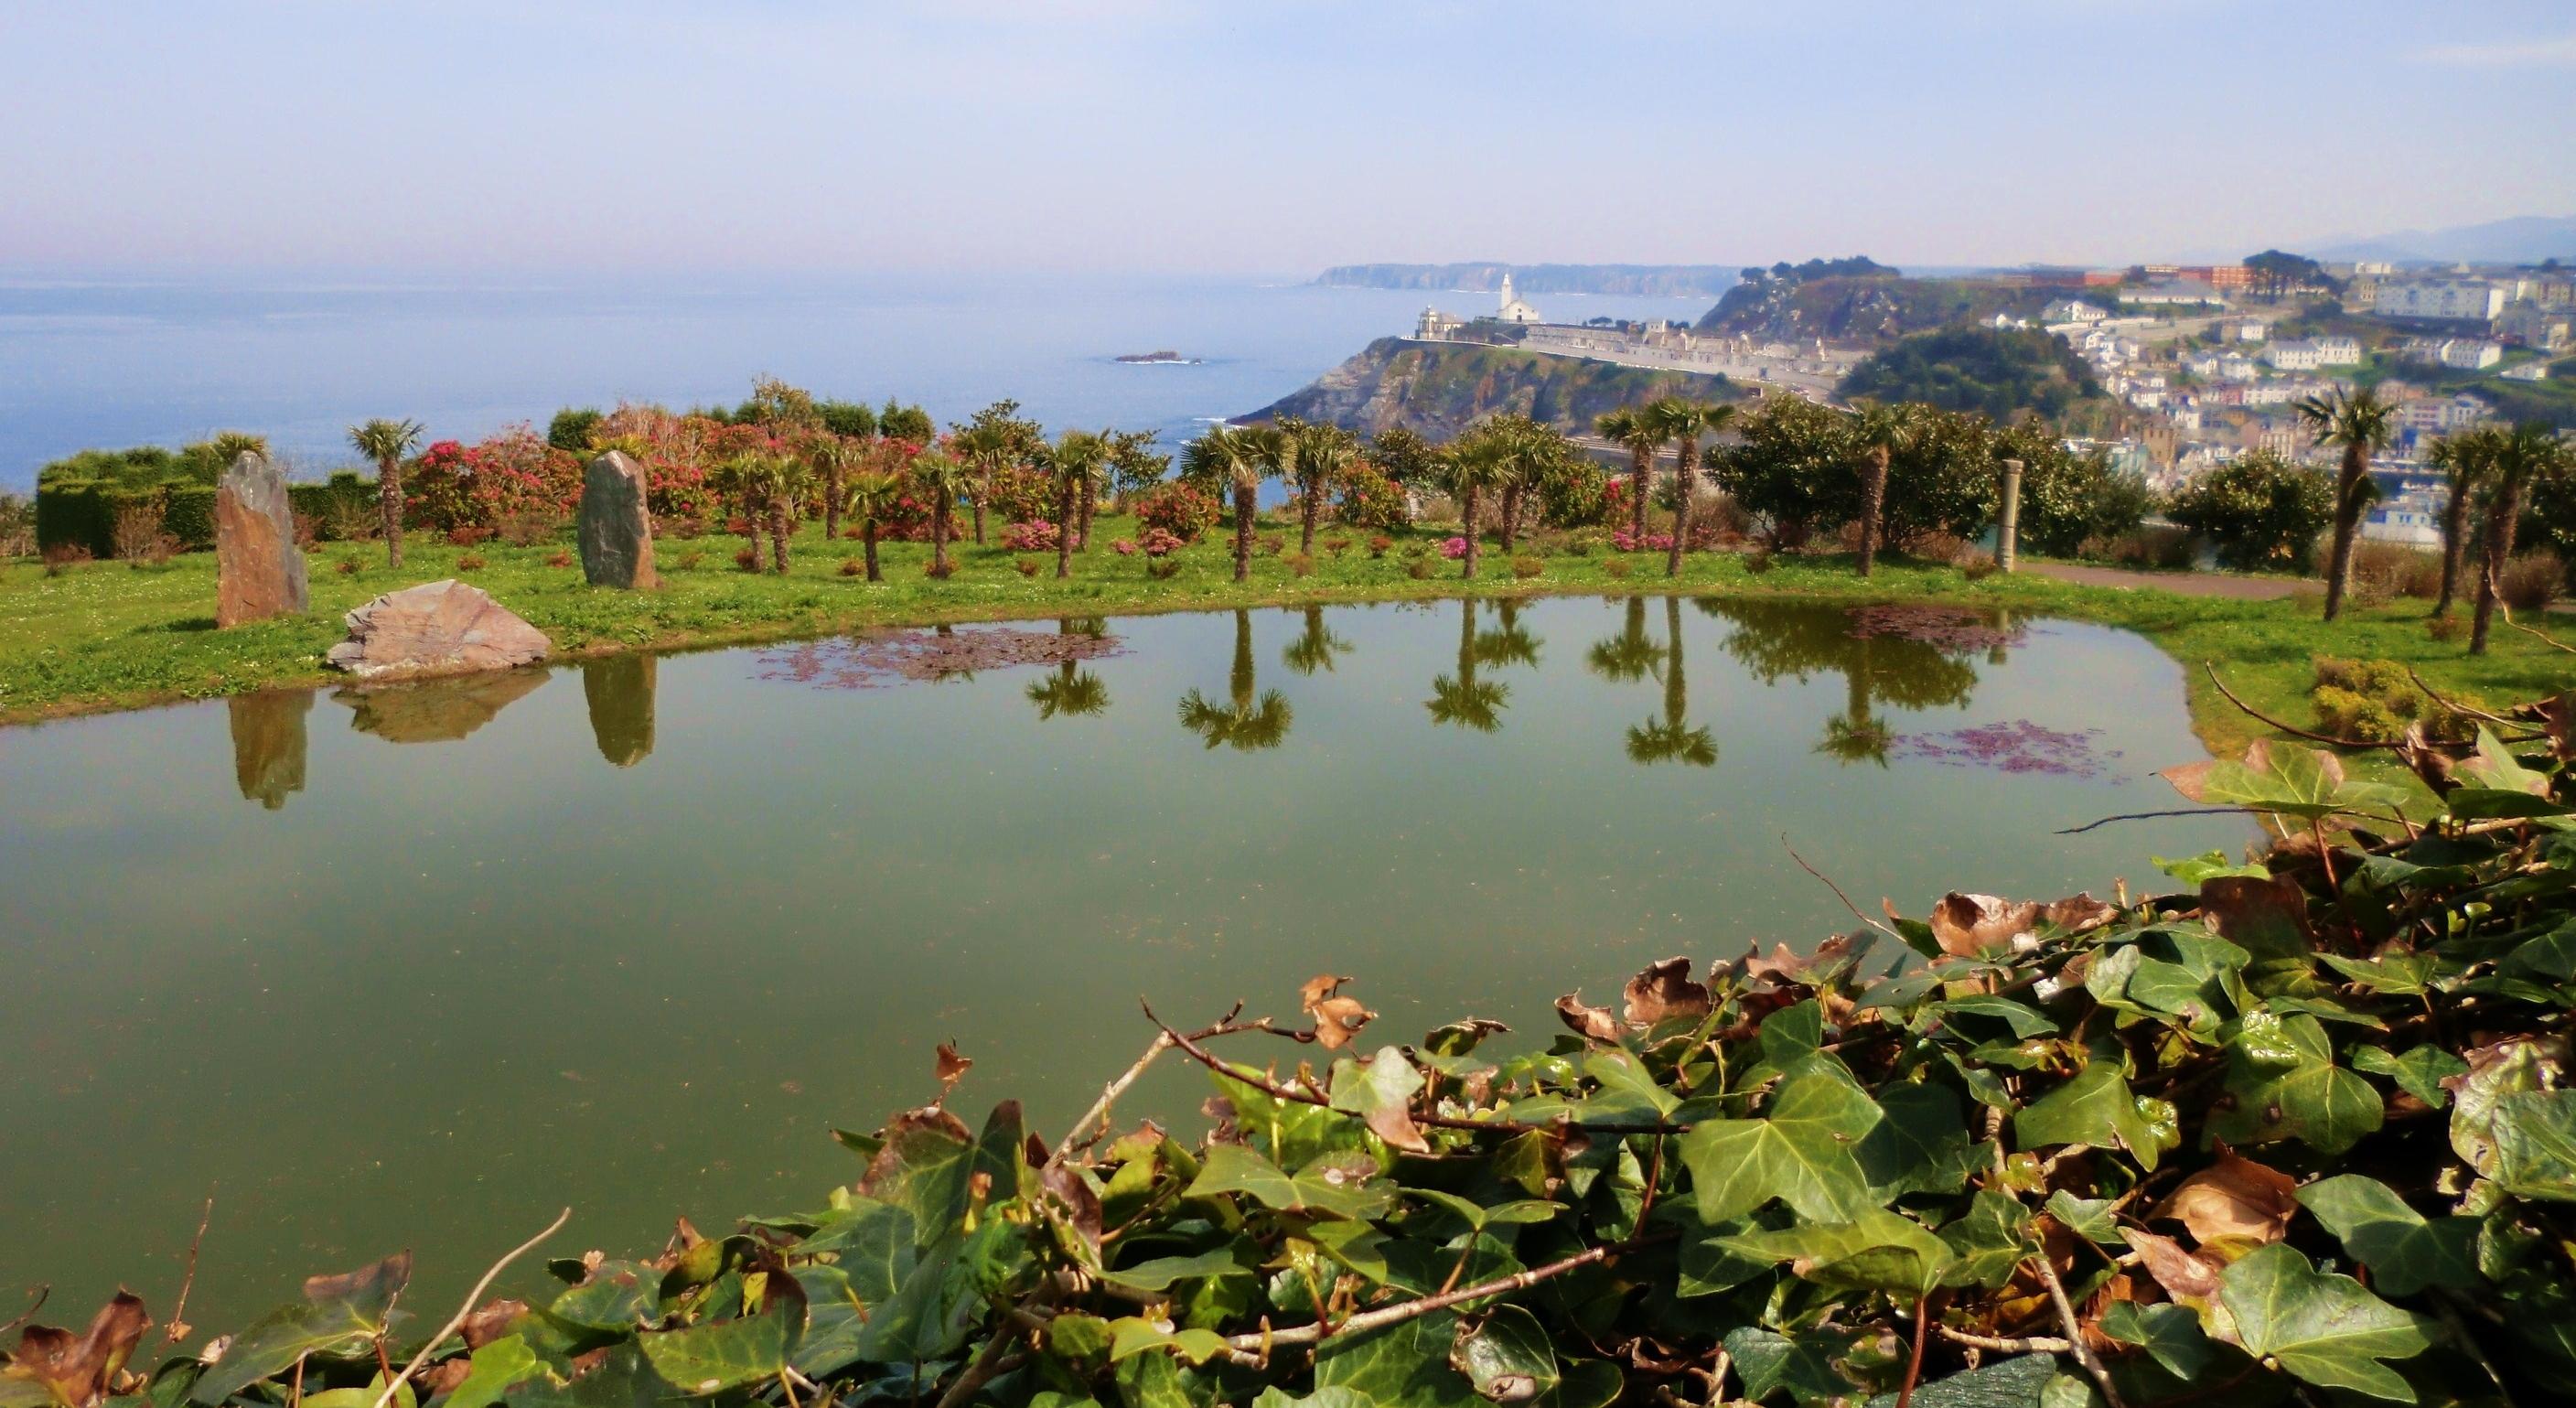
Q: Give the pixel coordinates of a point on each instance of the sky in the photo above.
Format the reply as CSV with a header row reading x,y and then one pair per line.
x,y
492,136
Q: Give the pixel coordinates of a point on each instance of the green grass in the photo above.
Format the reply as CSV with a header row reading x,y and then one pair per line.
x,y
109,636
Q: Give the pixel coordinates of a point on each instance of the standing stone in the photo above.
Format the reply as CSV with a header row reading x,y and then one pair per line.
x,y
268,744
616,528
438,628
619,691
259,571
2008,532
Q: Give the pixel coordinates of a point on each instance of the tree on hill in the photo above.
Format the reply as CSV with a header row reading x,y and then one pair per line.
x,y
1997,372
2278,273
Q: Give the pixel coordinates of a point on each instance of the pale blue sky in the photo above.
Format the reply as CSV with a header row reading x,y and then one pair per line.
x,y
1258,135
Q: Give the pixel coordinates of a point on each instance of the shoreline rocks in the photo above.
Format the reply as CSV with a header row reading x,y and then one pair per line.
x,y
437,628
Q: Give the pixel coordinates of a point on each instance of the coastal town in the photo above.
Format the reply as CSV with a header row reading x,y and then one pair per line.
x,y
2206,362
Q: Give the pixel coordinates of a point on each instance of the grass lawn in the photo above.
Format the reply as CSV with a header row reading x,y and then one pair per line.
x,y
109,635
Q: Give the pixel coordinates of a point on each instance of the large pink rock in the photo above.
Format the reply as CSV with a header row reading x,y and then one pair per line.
x,y
439,628
259,571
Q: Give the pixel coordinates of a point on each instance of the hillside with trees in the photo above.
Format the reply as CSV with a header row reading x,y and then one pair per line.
x,y
1855,300
1439,390
1643,280
1996,372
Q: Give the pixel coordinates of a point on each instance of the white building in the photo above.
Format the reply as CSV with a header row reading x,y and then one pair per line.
x,y
2543,329
2337,351
2071,310
1513,310
2450,300
2535,370
2470,354
2176,293
2247,330
2236,366
2294,356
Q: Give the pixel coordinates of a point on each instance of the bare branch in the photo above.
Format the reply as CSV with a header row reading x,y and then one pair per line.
x,y
179,1313
1368,1320
2144,816
471,1297
1838,891
2292,729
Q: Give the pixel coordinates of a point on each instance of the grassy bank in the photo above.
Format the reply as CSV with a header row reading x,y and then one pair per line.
x,y
110,636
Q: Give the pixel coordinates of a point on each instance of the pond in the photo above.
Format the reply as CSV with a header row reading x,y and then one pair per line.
x,y
416,967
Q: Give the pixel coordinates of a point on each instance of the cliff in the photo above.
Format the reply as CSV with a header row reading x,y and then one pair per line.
x,y
1643,280
1438,389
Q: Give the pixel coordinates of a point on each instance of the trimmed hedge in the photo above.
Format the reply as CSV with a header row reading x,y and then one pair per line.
x,y
83,511
346,491
74,512
188,514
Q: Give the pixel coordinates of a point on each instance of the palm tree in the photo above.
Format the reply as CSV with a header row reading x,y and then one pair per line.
x,y
1530,452
1628,656
1685,422
1633,430
835,457
738,479
1462,699
2465,459
388,443
995,439
1075,460
1324,456
1247,723
870,496
1880,431
1671,739
768,482
945,479
2360,422
1237,457
2526,455
1071,692
1316,647
1470,465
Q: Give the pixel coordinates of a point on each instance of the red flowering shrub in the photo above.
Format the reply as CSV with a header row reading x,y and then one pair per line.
x,y
1177,510
1371,500
515,474
1035,536
1021,495
1161,542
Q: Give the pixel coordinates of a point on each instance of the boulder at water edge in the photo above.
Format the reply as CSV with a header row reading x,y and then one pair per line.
x,y
440,628
616,528
259,571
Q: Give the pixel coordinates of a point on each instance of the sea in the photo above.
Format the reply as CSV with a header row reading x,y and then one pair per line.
x,y
93,362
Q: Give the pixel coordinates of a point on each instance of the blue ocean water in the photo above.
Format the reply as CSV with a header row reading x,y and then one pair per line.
x,y
92,362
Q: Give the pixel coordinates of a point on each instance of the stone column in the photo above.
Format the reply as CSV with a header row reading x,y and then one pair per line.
x,y
259,571
616,527
2011,526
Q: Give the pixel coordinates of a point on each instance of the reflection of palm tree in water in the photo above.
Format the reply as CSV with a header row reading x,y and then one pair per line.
x,y
1316,647
1671,739
1628,656
1469,702
1071,692
1247,722
1776,638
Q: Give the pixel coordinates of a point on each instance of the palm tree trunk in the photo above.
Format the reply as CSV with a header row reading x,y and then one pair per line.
x,y
778,531
2347,525
2455,543
1511,517
2500,525
1306,518
1685,481
1082,529
1244,490
1475,493
1064,529
868,530
940,508
983,491
1640,481
832,504
1240,679
1676,694
389,505
1873,503
751,535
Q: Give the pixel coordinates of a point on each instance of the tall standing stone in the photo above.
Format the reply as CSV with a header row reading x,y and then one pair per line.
x,y
616,528
259,571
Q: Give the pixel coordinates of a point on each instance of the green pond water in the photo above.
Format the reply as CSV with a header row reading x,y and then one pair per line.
x,y
418,967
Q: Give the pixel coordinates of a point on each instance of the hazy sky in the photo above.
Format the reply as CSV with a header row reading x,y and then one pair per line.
x,y
1258,135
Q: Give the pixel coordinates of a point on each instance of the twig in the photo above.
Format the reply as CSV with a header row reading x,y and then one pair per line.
x,y
1368,1320
2259,715
1098,1114
1277,1091
2084,1355
179,1313
2145,816
35,1302
1838,891
1998,1344
2533,631
992,1358
2454,705
471,1297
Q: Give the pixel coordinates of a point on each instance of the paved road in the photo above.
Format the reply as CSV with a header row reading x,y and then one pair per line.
x,y
2181,583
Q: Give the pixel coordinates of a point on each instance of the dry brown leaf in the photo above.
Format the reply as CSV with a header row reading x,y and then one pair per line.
x,y
2077,914
443,1377
1337,1020
1078,1199
1317,988
1664,990
76,1368
490,1321
910,1136
2186,1276
2234,1197
1972,926
2256,914
952,1069
1594,1023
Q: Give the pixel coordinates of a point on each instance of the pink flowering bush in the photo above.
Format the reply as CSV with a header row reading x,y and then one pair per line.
x,y
1161,542
1035,536
1124,547
1454,548
512,475
1626,541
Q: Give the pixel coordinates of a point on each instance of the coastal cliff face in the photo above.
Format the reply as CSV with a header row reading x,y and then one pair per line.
x,y
1439,389
1644,280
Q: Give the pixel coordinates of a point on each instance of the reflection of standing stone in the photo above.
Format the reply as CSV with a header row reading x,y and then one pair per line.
x,y
620,691
616,529
437,628
268,744
259,571
435,711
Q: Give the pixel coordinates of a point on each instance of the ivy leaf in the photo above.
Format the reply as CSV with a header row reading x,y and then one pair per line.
x,y
1920,1144
2494,766
1380,1091
1990,1240
1878,1251
2208,865
1354,1244
1805,1153
2419,1072
2535,1143
2545,957
2095,1109
2015,1383
339,1315
710,1358
2280,779
1159,1273
1332,1186
1134,1335
1405,1365
2494,1072
1803,1364
491,1372
2323,1328
2405,1253
2312,1100
2170,1334
1507,1356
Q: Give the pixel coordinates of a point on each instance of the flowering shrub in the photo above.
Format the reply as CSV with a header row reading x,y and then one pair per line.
x,y
1177,510
1159,542
1626,541
1379,543
1371,500
1124,547
1453,548
1036,536
512,474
